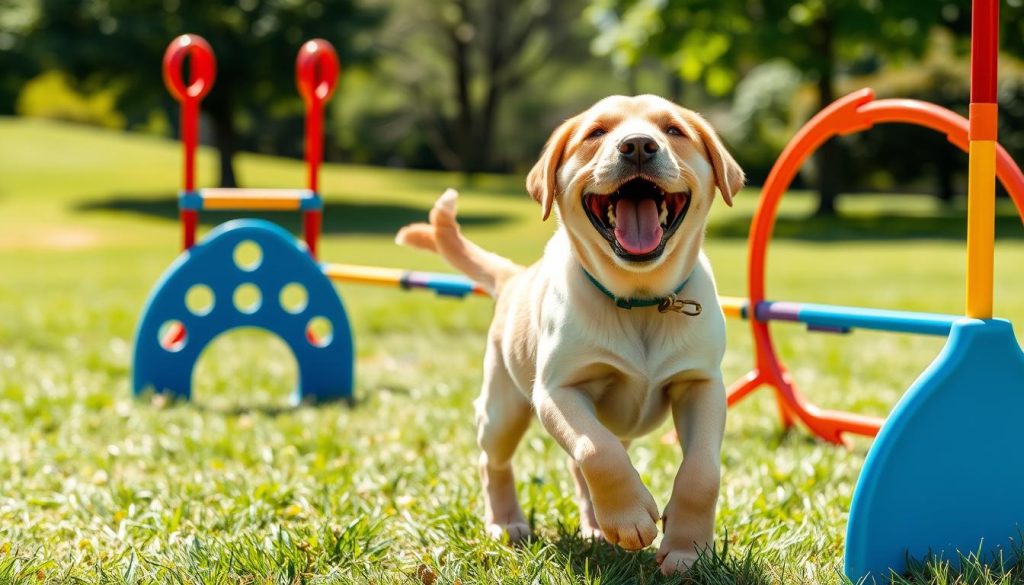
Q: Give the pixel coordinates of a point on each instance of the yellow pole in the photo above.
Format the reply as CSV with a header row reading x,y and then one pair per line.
x,y
981,205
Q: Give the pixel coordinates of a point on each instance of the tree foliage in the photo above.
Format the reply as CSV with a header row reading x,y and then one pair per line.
x,y
462,61
120,43
16,17
717,41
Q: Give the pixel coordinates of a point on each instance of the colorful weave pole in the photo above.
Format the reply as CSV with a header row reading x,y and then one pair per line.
x,y
981,171
448,285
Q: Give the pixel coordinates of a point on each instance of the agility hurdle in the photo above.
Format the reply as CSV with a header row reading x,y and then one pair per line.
x,y
172,332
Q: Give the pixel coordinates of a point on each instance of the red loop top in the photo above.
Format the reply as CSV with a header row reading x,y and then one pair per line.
x,y
201,62
316,71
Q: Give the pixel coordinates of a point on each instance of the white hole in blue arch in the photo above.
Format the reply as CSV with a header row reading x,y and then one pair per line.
x,y
320,331
245,367
171,335
294,298
248,255
247,298
199,300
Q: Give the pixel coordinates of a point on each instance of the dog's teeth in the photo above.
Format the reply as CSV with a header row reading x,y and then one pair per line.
x,y
611,215
663,214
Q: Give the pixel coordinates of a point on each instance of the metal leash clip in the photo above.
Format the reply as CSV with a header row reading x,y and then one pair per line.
x,y
671,303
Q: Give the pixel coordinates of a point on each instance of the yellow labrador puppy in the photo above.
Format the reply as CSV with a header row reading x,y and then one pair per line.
x,y
616,326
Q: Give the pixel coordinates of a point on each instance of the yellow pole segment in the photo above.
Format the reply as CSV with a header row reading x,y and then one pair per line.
x,y
363,274
981,206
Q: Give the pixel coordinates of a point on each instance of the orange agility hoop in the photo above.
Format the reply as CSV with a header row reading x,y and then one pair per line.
x,y
856,112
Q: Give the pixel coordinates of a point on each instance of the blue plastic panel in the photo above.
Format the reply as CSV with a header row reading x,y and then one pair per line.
x,y
325,366
946,470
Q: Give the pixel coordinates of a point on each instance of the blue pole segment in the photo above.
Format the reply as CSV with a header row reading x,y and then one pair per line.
x,y
841,318
448,285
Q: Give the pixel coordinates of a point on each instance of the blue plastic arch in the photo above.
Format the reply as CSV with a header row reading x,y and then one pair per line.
x,y
165,356
945,474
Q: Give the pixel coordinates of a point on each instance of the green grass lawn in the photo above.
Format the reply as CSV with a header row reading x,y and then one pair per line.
x,y
234,488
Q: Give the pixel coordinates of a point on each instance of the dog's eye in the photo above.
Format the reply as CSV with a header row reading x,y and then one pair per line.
x,y
597,133
674,131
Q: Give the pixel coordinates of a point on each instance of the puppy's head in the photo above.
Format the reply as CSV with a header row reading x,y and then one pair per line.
x,y
633,179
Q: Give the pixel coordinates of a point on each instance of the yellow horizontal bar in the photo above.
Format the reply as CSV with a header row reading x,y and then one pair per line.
x,y
363,274
733,306
253,199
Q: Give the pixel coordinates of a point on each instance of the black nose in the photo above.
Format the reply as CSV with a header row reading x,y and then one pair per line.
x,y
638,148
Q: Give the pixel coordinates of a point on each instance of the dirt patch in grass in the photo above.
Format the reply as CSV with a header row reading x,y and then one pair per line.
x,y
49,239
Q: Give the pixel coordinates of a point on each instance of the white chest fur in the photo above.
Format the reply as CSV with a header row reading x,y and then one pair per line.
x,y
627,360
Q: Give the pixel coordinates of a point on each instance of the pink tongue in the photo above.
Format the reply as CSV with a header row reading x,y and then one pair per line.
x,y
637,227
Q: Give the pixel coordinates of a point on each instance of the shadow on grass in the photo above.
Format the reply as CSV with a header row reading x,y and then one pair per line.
x,y
338,218
863,227
165,400
598,558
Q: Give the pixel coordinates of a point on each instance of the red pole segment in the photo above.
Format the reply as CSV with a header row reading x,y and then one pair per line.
x,y
311,221
203,67
316,74
984,50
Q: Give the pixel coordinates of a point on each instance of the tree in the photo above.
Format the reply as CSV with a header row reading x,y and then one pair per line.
x,y
714,41
463,58
120,43
16,67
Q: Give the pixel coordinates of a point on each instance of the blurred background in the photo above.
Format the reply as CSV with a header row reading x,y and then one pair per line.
x,y
475,86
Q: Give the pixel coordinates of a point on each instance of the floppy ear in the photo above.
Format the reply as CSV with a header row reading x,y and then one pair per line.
x,y
542,182
729,176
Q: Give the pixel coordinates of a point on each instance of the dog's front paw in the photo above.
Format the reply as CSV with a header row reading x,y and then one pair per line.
x,y
625,511
515,531
675,561
629,522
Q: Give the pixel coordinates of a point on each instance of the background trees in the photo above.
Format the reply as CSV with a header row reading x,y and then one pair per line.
x,y
118,43
476,85
16,17
717,42
461,76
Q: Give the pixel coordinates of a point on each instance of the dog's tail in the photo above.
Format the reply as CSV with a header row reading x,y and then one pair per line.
x,y
442,235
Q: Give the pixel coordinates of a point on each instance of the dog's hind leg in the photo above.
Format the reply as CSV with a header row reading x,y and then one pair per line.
x,y
588,519
502,414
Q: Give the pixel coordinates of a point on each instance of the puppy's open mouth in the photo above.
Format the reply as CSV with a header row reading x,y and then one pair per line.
x,y
638,218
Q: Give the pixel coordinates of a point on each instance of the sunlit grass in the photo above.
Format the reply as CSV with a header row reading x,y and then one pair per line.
x,y
97,486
